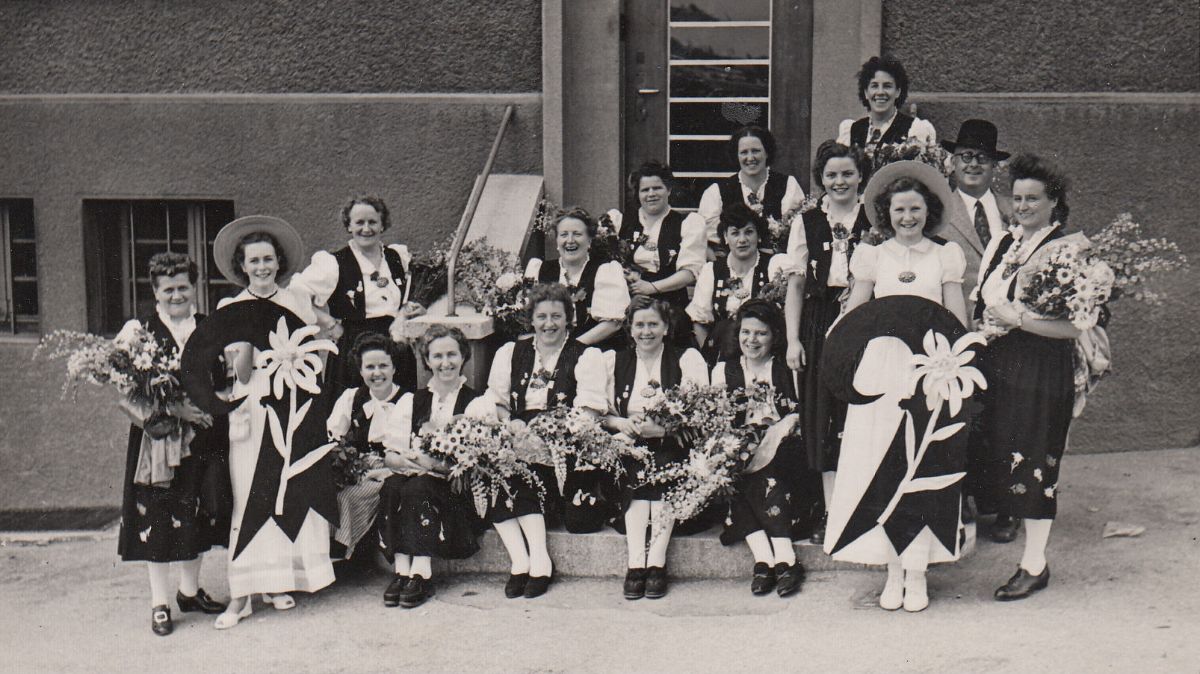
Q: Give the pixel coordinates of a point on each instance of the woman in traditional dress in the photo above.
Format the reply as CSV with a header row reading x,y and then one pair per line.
x,y
283,493
360,420
164,523
597,287
528,377
1030,370
769,193
725,283
420,516
907,200
882,89
764,506
669,248
636,378
362,287
829,234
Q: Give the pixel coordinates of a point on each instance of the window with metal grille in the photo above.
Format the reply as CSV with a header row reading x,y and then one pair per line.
x,y
18,267
121,237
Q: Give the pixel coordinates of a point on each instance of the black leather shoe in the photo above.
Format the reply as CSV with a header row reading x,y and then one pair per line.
x,y
818,534
656,582
200,602
635,583
160,620
515,587
788,578
1023,584
538,585
763,580
1004,530
416,592
391,596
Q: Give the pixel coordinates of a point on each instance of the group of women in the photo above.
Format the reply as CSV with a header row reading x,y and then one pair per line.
x,y
684,307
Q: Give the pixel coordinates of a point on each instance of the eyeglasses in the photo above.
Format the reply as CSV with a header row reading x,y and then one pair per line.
x,y
981,158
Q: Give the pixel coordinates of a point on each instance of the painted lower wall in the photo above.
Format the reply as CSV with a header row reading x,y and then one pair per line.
x,y
297,157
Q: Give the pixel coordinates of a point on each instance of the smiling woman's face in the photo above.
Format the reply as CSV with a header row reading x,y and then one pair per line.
x,y
365,225
572,240
882,93
174,295
841,179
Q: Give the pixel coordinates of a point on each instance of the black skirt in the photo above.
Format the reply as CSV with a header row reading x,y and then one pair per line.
x,y
590,499
821,415
770,499
170,523
1030,396
523,498
422,515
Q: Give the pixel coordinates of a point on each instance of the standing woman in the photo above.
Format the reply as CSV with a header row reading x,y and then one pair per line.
x,y
360,419
528,377
362,287
882,89
597,288
636,377
831,232
420,516
767,494
1030,371
283,495
164,523
768,193
908,200
727,282
668,248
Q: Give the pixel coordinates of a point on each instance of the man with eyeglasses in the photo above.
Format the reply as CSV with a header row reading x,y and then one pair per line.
x,y
978,216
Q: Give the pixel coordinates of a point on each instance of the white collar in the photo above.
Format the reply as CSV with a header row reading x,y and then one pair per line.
x,y
648,220
825,201
374,404
923,246
180,330
451,394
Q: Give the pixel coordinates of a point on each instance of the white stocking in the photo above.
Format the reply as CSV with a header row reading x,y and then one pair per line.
x,y
1037,536
784,552
160,583
637,518
514,543
422,566
189,577
534,527
661,525
403,564
760,547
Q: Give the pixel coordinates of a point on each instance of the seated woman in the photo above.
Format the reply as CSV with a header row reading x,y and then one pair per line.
x,y
598,288
529,376
726,283
769,193
362,287
668,248
763,506
636,376
359,419
882,89
420,516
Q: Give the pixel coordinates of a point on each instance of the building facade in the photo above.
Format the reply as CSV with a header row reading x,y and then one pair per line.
x,y
129,128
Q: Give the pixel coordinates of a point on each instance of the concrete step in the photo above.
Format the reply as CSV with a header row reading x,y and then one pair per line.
x,y
603,554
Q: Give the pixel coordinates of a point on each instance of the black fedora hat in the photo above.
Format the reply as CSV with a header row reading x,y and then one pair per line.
x,y
976,134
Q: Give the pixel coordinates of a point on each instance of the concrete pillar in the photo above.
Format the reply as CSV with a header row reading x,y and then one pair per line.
x,y
845,34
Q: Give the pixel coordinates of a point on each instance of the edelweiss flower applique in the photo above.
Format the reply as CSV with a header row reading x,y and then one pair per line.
x,y
291,362
943,371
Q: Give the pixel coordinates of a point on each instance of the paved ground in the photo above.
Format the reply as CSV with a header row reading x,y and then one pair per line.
x,y
1114,605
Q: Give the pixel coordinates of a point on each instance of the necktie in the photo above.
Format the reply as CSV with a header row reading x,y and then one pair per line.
x,y
981,224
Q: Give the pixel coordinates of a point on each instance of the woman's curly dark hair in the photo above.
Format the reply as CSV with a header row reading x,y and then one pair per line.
x,y
767,312
577,213
370,200
651,169
169,263
1049,174
883,204
642,302
888,65
438,331
239,255
831,149
764,136
550,292
373,341
738,215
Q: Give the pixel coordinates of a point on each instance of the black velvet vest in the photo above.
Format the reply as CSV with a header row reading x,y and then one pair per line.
x,y
818,235
348,299
721,289
994,263
625,371
670,239
562,392
772,202
896,133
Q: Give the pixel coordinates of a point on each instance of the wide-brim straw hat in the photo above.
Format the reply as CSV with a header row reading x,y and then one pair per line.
x,y
927,175
290,244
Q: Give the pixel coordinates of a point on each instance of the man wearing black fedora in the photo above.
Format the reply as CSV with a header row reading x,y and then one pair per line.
x,y
981,215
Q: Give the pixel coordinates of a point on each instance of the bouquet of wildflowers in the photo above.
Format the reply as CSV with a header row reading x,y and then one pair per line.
x,y
710,471
608,244
572,432
134,363
1065,281
1133,258
483,458
692,411
910,149
350,465
492,282
776,289
779,229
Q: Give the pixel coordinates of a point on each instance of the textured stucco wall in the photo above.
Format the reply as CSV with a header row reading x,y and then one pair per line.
x,y
1123,158
298,158
1017,45
270,46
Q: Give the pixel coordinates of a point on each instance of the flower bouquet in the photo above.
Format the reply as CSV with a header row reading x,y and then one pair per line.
x,y
910,149
350,465
779,229
483,458
146,375
710,471
572,432
1134,258
692,411
608,244
491,281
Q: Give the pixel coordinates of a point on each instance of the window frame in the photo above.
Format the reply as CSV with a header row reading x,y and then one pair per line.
x,y
13,322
